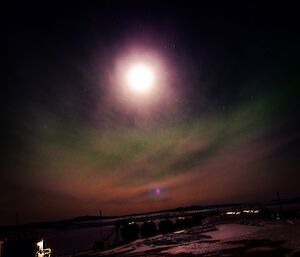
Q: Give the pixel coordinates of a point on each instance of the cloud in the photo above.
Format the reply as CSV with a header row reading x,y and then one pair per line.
x,y
220,156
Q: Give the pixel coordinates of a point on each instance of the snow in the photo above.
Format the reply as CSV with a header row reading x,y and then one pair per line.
x,y
232,231
224,233
200,248
211,239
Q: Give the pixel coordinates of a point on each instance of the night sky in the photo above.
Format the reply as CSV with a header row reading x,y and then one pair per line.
x,y
221,126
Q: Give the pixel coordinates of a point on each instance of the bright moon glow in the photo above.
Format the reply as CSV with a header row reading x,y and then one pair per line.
x,y
140,78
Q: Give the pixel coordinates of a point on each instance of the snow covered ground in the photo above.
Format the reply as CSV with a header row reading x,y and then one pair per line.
x,y
265,238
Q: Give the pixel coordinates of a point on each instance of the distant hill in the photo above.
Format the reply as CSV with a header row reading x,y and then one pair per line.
x,y
89,220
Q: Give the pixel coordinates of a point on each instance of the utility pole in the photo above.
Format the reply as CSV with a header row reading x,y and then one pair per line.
x,y
101,229
17,218
280,205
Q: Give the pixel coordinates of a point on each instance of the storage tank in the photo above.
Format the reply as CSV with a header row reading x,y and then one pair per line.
x,y
183,222
130,231
148,228
166,226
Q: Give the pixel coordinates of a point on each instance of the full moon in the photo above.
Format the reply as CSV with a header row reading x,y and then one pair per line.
x,y
140,78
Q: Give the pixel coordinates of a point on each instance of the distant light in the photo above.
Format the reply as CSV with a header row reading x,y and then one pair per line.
x,y
179,232
233,213
140,78
40,245
41,251
157,191
230,213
